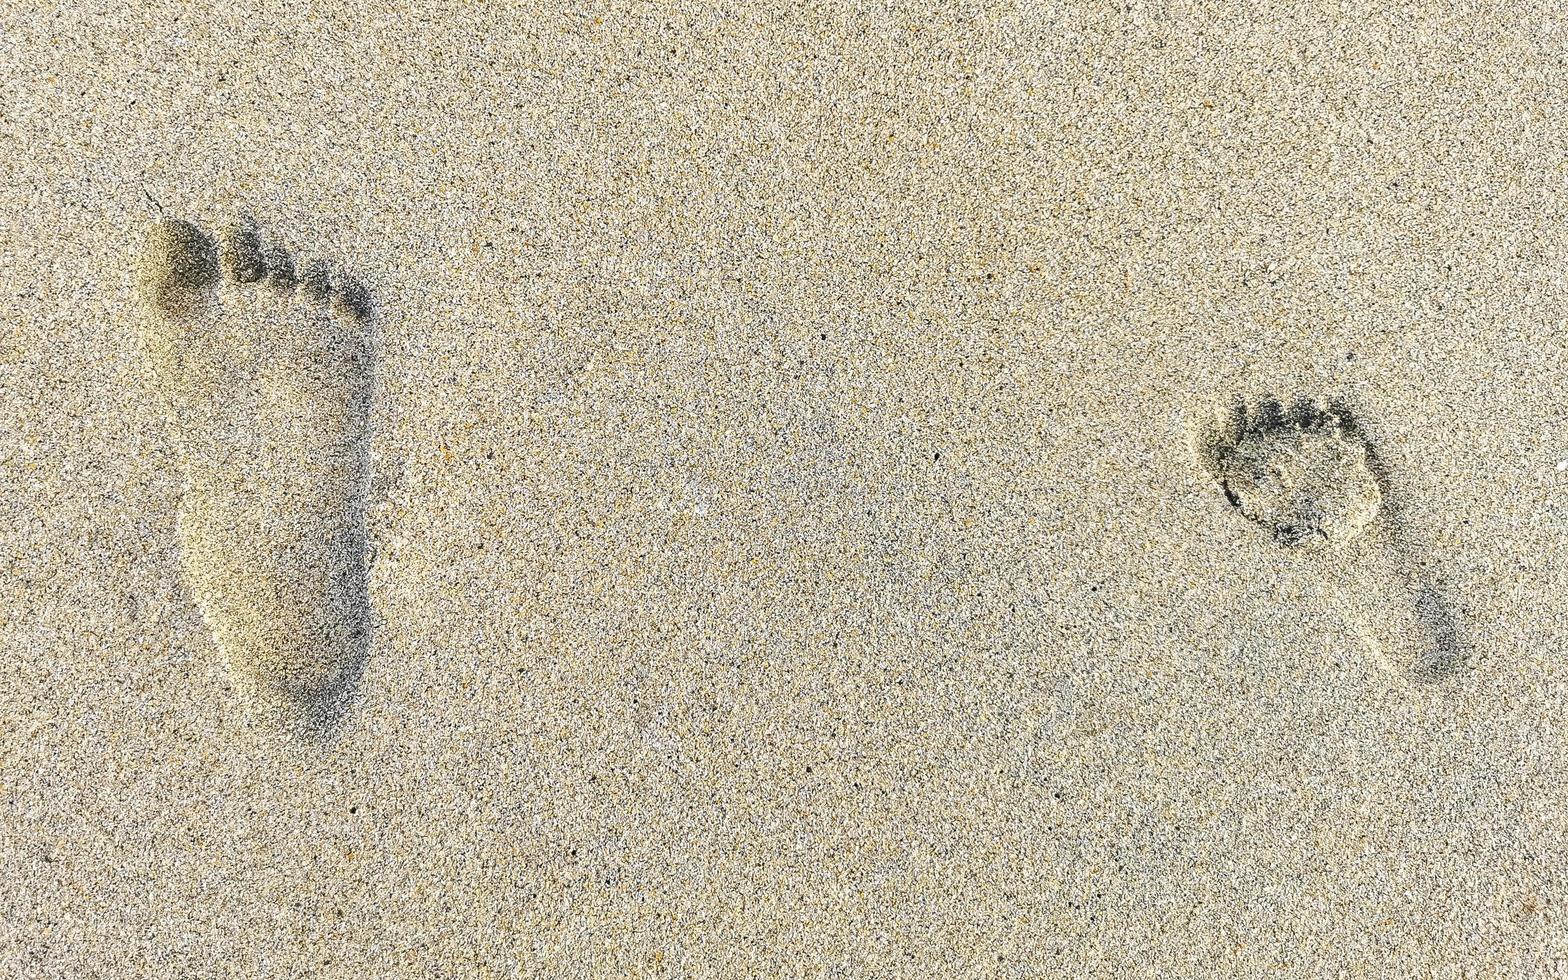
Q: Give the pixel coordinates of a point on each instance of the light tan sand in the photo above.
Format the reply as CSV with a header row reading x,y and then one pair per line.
x,y
787,552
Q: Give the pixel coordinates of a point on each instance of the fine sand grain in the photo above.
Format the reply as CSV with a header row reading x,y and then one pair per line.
x,y
679,491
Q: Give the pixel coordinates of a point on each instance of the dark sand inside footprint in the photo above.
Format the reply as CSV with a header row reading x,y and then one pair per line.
x,y
1303,475
1306,475
268,386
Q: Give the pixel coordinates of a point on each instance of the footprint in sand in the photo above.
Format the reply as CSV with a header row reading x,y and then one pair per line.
x,y
267,377
1307,476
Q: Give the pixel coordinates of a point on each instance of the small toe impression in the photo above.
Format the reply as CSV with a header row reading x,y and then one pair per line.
x,y
280,268
1267,414
316,282
179,265
1304,413
350,298
242,259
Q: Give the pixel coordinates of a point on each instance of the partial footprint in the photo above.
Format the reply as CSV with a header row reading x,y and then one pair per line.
x,y
1307,476
268,381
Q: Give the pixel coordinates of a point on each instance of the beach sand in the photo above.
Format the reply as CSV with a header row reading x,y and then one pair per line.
x,y
787,552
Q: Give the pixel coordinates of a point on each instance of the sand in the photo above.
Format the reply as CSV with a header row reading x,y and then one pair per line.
x,y
786,552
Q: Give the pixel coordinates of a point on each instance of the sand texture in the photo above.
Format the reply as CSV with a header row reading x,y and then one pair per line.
x,y
811,491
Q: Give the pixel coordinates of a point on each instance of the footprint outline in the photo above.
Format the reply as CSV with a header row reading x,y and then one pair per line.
x,y
1309,476
285,594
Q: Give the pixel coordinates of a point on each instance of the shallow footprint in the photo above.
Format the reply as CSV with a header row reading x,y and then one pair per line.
x,y
1306,476
266,370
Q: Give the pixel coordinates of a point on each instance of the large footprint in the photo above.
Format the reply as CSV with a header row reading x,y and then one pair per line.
x,y
268,380
1306,476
